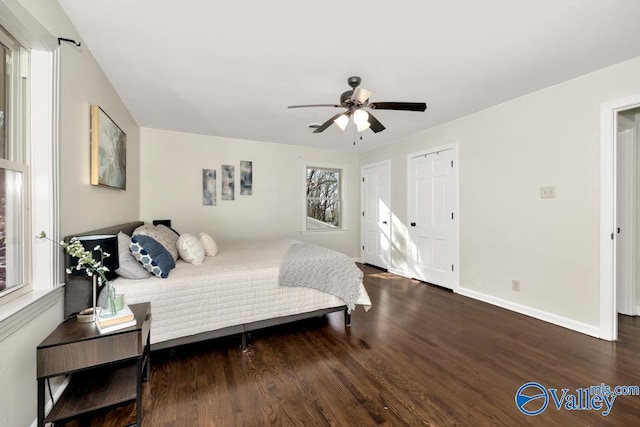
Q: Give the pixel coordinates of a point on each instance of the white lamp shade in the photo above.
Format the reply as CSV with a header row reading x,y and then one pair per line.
x,y
361,119
342,121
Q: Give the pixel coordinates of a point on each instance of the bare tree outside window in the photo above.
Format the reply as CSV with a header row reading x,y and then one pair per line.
x,y
323,198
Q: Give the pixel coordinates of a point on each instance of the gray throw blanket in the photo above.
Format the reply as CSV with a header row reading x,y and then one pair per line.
x,y
323,269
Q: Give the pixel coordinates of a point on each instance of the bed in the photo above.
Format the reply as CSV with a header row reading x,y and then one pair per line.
x,y
234,292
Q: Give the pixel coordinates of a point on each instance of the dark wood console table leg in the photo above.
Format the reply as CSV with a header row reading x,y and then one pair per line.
x,y
139,392
143,372
40,403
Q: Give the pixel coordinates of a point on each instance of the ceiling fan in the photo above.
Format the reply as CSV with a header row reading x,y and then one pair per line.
x,y
356,102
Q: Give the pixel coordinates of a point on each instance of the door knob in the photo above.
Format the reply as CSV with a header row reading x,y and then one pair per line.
x,y
413,224
384,222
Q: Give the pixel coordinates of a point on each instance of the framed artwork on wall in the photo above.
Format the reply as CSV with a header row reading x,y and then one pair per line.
x,y
228,184
208,187
108,151
246,178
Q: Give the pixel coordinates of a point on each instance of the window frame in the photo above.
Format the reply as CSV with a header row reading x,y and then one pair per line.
x,y
17,147
342,199
42,263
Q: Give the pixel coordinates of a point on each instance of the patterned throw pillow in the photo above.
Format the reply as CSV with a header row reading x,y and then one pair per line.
x,y
163,235
152,255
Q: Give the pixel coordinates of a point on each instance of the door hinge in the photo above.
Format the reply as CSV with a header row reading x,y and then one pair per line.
x,y
451,163
611,236
451,215
362,213
363,247
363,179
618,230
451,267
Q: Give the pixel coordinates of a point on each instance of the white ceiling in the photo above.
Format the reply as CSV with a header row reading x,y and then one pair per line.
x,y
231,68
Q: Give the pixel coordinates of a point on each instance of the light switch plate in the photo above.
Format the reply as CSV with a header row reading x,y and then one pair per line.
x,y
547,192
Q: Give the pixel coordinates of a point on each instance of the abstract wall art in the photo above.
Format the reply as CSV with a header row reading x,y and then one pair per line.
x,y
208,187
108,151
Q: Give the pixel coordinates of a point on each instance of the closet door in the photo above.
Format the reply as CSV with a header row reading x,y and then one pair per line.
x,y
432,222
376,214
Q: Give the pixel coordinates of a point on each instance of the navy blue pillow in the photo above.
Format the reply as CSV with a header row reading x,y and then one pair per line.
x,y
152,255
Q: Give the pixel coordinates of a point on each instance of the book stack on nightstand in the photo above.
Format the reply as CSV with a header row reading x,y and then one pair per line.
x,y
122,319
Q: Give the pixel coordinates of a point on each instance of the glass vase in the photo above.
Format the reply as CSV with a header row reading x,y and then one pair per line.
x,y
109,309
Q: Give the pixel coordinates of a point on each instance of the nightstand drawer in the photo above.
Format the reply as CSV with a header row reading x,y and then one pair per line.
x,y
75,346
80,355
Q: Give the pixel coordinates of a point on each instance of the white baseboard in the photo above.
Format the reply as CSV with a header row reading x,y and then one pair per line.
x,y
565,322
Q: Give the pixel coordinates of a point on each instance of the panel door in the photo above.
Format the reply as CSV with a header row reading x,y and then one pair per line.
x,y
432,227
376,215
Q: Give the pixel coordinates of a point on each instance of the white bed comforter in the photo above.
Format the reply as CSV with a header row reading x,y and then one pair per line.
x,y
239,285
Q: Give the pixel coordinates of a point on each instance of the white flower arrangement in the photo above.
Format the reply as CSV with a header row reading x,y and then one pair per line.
x,y
86,261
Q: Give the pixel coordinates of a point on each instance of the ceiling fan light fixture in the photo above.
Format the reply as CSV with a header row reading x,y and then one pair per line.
x,y
363,127
355,102
361,120
342,121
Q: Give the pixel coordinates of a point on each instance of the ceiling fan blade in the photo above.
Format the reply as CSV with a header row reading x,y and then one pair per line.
x,y
328,123
376,126
361,95
314,105
405,106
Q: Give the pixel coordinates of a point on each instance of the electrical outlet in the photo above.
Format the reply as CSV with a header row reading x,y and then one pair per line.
x,y
515,285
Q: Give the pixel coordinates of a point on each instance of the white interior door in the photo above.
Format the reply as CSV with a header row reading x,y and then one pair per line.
x,y
376,214
625,211
432,223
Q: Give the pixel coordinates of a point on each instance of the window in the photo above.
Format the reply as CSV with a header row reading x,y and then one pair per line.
x,y
324,199
13,168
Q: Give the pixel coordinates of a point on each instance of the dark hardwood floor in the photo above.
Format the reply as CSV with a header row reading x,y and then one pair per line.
x,y
420,356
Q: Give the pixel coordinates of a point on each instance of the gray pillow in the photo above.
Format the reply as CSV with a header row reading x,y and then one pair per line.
x,y
129,268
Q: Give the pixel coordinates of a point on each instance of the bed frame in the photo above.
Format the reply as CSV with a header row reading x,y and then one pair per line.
x,y
78,296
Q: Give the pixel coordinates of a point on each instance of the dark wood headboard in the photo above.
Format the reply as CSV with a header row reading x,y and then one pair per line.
x,y
78,294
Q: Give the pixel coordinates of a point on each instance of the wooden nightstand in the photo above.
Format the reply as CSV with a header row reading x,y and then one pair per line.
x,y
106,370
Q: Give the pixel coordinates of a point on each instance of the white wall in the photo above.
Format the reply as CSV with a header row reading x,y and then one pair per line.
x,y
82,207
18,406
506,153
171,187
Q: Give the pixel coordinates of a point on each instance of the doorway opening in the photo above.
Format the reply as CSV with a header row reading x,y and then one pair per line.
x,y
619,195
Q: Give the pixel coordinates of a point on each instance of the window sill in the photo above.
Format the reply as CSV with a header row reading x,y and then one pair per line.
x,y
17,313
323,232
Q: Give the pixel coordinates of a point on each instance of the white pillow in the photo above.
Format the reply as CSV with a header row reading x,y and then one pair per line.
x,y
210,246
129,267
190,249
